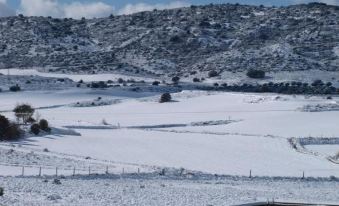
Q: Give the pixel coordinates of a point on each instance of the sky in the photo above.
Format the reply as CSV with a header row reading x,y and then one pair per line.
x,y
101,8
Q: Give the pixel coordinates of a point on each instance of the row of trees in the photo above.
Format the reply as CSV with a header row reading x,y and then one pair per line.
x,y
253,73
317,87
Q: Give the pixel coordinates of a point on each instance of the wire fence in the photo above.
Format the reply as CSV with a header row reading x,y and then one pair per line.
x,y
16,170
39,171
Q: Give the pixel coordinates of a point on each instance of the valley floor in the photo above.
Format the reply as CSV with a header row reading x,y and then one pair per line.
x,y
122,132
222,133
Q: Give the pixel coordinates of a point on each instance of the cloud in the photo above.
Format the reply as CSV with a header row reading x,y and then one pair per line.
x,y
5,10
91,10
40,8
54,8
329,2
134,8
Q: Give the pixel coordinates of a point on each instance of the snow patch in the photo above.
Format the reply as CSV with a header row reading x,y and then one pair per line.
x,y
336,51
320,107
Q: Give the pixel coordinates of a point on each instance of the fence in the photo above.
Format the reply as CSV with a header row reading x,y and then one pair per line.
x,y
39,171
33,170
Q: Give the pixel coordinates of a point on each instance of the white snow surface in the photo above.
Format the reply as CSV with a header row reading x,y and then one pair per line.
x,y
151,190
133,138
142,131
74,77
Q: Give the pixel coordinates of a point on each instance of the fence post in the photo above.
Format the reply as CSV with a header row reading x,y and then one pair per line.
x,y
56,171
39,171
250,174
106,169
303,177
123,170
138,170
73,171
23,171
89,170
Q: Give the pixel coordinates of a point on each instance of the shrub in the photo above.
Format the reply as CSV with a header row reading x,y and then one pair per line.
x,y
166,97
97,85
8,130
24,112
224,85
35,129
317,83
196,79
176,79
15,88
13,132
120,81
212,73
256,74
31,120
4,122
56,182
204,23
43,124
329,84
156,83
175,39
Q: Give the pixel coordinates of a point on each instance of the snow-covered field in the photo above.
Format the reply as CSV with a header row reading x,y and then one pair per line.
x,y
210,132
142,131
150,190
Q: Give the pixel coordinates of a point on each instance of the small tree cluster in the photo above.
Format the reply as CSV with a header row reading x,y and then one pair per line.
x,y
41,126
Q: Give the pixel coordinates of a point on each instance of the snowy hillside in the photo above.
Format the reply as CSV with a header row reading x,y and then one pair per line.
x,y
180,42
